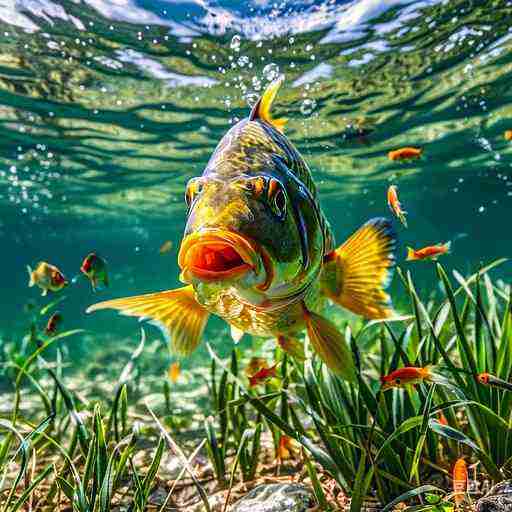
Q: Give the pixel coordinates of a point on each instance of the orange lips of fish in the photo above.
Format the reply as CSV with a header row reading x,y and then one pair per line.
x,y
215,255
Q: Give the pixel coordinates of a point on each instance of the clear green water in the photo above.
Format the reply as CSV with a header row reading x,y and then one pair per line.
x,y
108,107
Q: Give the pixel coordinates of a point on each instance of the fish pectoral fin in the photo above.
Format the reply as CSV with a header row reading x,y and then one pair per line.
x,y
236,333
356,274
292,346
176,312
262,108
330,345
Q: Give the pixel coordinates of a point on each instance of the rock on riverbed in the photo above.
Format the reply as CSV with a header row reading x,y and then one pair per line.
x,y
498,499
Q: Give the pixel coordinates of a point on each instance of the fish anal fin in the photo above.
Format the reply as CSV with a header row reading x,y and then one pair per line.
x,y
330,345
177,312
31,279
356,274
262,108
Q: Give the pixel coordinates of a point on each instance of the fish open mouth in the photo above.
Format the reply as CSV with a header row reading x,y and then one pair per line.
x,y
215,255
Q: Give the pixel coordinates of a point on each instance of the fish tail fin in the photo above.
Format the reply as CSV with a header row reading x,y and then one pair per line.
x,y
433,374
262,108
357,273
176,312
448,247
410,254
31,278
330,345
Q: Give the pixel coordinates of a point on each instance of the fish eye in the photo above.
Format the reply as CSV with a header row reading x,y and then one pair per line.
x,y
397,380
194,188
277,198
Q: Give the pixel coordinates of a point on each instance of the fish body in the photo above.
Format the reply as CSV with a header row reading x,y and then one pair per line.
x,y
407,153
47,277
508,134
262,375
259,252
407,376
460,480
432,252
95,269
395,206
53,323
286,447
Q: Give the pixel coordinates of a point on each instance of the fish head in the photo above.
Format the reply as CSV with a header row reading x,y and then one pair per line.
x,y
58,281
393,381
243,232
90,264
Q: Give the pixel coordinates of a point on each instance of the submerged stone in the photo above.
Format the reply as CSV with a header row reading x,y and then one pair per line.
x,y
498,499
276,498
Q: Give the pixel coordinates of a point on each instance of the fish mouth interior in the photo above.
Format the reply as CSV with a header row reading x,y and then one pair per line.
x,y
216,256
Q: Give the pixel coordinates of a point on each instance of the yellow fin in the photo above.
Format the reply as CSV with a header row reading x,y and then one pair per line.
x,y
358,272
262,109
177,312
330,345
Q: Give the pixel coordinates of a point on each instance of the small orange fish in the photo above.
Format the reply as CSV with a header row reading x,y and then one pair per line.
x,y
460,480
174,371
432,252
395,205
441,418
406,153
95,269
166,247
47,277
491,380
53,323
286,448
255,365
262,375
406,376
508,134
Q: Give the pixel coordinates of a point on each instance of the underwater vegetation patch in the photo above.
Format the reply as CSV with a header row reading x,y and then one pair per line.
x,y
428,440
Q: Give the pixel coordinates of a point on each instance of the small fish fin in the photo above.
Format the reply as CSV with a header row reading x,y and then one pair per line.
x,y
402,219
262,108
236,333
292,346
181,318
448,246
330,345
357,273
410,254
44,293
31,278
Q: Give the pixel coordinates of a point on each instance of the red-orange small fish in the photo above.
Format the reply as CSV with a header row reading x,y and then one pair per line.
x,y
174,371
406,153
441,418
491,380
460,480
508,134
432,252
406,376
286,448
395,205
262,375
53,323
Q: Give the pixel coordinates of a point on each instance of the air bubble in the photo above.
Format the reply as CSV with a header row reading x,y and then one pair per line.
x,y
271,71
307,106
235,43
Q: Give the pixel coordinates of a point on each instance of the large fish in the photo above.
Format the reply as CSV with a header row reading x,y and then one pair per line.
x,y
259,252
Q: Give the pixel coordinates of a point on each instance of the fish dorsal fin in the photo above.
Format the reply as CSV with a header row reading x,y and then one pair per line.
x,y
262,108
